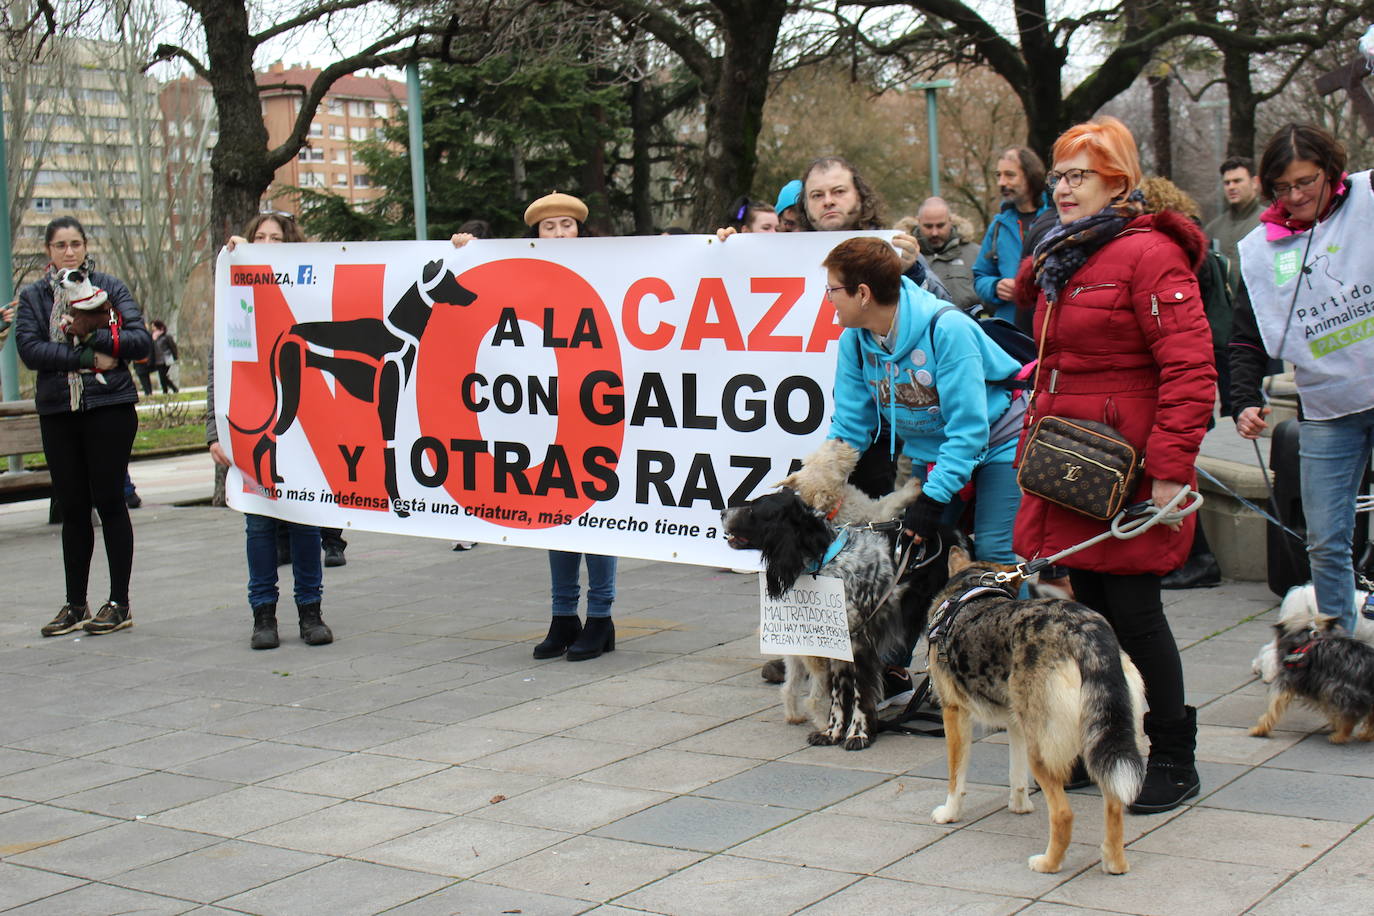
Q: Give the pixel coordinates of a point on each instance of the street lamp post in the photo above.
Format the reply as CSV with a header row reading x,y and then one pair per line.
x,y
1218,142
933,129
417,151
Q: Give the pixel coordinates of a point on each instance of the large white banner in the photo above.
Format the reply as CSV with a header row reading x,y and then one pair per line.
x,y
601,395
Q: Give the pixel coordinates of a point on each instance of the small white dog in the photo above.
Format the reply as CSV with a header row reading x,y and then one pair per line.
x,y
1300,607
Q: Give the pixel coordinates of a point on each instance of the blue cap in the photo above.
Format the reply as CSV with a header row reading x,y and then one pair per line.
x,y
789,195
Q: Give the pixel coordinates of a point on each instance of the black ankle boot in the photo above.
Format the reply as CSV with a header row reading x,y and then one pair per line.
x,y
1170,777
597,636
313,629
563,632
1200,571
265,627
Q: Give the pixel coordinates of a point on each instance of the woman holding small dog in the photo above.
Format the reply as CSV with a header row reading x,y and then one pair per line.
x,y
1123,341
85,397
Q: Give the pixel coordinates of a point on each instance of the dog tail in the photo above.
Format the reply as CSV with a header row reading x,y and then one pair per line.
x,y
1113,703
276,395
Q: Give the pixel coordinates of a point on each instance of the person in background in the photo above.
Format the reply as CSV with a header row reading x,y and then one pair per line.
x,y
786,207
1241,214
85,399
1123,341
1021,181
165,355
754,216
261,530
950,256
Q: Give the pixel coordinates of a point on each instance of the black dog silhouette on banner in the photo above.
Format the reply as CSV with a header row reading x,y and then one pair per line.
x,y
371,358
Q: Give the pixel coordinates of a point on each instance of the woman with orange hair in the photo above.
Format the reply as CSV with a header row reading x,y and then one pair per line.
x,y
1123,341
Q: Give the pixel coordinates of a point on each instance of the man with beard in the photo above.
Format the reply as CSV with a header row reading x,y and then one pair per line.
x,y
950,257
1021,181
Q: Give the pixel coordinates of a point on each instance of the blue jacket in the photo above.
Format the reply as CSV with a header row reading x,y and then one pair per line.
x,y
943,405
999,258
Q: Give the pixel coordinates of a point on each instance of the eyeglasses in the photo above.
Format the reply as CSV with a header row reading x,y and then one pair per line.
x,y
279,214
1073,177
830,291
1283,188
73,245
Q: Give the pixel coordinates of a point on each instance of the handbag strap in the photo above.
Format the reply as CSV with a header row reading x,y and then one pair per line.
x,y
1040,355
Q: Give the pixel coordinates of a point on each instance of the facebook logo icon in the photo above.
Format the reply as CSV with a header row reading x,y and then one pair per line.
x,y
305,275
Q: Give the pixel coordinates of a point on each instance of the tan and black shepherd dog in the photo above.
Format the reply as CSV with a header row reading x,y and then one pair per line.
x,y
1051,672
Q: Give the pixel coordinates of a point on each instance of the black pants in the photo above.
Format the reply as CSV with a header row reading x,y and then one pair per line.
x,y
1133,607
88,457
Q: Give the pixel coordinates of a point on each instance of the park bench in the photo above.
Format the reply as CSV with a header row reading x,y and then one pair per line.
x,y
19,434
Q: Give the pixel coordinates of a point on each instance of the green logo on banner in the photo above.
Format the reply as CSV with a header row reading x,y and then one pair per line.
x,y
1287,264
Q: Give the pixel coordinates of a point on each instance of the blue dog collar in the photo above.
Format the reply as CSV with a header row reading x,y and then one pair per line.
x,y
831,552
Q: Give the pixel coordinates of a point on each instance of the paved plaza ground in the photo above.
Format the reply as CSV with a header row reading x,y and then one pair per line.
x,y
425,764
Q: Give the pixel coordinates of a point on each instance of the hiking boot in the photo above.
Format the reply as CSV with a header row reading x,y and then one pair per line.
x,y
1170,776
71,617
265,627
313,628
563,632
334,555
774,672
111,616
897,687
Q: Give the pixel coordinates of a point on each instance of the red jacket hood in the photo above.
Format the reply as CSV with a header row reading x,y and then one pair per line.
x,y
1180,228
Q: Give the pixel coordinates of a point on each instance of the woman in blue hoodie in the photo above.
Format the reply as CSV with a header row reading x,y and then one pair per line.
x,y
932,374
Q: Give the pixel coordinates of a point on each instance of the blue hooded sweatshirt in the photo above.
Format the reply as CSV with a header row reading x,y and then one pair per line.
x,y
943,405
999,258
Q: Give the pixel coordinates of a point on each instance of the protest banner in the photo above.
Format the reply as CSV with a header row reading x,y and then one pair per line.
x,y
603,395
807,619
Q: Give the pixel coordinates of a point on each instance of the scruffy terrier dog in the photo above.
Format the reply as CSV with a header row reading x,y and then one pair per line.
x,y
1299,610
88,307
1052,673
1327,669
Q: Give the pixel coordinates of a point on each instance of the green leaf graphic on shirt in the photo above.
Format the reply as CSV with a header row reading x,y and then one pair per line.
x,y
1332,249
1287,265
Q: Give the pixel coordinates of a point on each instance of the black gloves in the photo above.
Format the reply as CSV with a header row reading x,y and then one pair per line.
x,y
922,517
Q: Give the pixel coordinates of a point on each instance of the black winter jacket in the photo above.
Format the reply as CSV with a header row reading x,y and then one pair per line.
x,y
54,360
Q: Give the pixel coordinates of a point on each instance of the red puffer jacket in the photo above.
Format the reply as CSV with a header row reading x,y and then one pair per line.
x,y
1127,345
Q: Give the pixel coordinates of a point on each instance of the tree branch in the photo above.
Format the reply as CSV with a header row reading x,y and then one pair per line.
x,y
167,52
307,17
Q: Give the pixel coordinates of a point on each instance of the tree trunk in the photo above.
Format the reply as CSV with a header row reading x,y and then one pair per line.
x,y
1240,97
1161,117
640,165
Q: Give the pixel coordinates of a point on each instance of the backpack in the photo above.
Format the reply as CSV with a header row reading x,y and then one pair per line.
x,y
1213,280
1015,342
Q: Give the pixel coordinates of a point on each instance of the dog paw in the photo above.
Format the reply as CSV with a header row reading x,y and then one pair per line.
x,y
1259,731
819,739
797,718
857,743
1115,868
1338,738
945,814
1019,802
1043,864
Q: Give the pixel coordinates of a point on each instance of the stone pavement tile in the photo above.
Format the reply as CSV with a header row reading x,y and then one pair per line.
x,y
669,770
358,733
990,863
647,727
540,681
546,716
169,750
255,762
217,871
627,690
1087,820
36,826
13,760
793,785
354,698
571,805
590,868
143,795
449,707
839,842
1217,678
271,721
367,667
461,847
336,887
344,828
1318,755
193,712
1339,882
440,676
14,729
55,780
1171,884
700,670
102,704
88,738
704,824
353,775
747,738
680,641
883,895
146,672
1223,744
454,744
507,658
987,765
1242,710
910,800
437,648
1060,909
103,898
721,701
241,811
891,753
555,756
19,885
105,853
728,885
11,804
1297,793
475,897
458,790
1241,837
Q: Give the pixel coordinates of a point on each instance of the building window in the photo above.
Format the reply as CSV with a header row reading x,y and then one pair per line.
x,y
340,156
360,109
334,106
42,204
362,181
309,154
316,129
358,133
336,132
312,180
340,180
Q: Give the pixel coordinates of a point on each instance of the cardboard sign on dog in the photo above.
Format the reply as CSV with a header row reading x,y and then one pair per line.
x,y
807,619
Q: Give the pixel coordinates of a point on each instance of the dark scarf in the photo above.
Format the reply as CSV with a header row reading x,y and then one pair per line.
x,y
1067,246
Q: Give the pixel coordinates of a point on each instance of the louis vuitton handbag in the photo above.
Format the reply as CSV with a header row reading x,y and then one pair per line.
x,y
1081,465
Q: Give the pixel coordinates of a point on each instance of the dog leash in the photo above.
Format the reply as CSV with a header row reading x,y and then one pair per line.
x,y
1130,522
1254,508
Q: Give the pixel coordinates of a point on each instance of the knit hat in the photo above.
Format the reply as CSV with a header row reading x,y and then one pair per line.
x,y
555,204
789,195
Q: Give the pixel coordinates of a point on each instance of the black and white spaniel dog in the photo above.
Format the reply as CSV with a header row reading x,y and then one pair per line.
x,y
794,539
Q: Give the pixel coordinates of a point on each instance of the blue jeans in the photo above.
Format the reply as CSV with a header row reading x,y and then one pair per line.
x,y
1334,456
307,571
564,569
